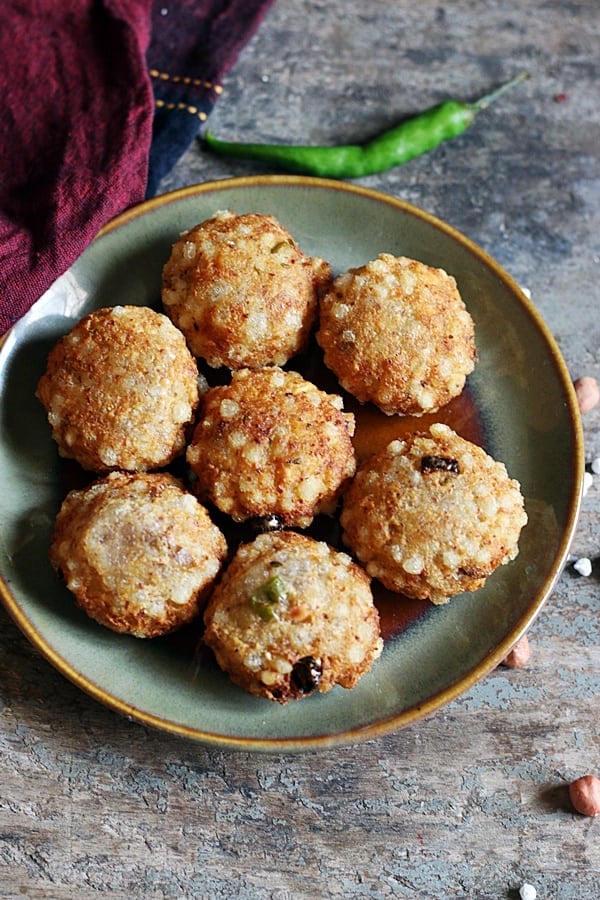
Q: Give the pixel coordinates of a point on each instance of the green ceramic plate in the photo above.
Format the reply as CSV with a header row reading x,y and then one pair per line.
x,y
431,654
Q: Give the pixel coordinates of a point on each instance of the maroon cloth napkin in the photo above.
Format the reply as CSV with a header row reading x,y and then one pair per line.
x,y
77,108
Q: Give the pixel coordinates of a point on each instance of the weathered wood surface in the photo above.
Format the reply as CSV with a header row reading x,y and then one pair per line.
x,y
472,802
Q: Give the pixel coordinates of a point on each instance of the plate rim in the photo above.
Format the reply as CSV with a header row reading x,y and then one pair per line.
x,y
395,721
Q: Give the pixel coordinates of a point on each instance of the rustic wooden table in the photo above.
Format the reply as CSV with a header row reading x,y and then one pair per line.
x,y
473,801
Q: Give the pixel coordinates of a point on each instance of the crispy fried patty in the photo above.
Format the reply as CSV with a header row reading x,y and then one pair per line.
x,y
137,551
242,291
272,444
397,333
291,616
432,515
120,390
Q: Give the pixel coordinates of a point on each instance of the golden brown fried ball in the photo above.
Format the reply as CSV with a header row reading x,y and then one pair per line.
x,y
397,333
432,515
138,552
120,390
242,291
291,616
272,444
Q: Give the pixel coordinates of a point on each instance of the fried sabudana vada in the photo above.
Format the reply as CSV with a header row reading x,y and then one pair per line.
x,y
292,616
242,291
137,551
432,515
396,332
120,390
271,443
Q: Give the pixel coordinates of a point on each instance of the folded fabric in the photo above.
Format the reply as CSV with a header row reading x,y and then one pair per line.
x,y
77,108
192,47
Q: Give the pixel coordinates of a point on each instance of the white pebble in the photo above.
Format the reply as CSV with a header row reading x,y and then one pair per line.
x,y
595,466
583,566
527,892
588,480
526,291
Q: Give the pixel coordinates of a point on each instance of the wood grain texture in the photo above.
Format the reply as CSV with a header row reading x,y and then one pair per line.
x,y
473,801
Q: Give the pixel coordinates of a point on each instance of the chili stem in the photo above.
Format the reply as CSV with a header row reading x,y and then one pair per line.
x,y
485,101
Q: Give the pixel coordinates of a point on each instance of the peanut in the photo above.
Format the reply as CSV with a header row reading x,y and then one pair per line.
x,y
587,392
585,795
518,657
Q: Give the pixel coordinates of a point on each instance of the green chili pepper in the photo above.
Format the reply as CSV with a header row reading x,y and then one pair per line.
x,y
391,148
267,595
262,609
